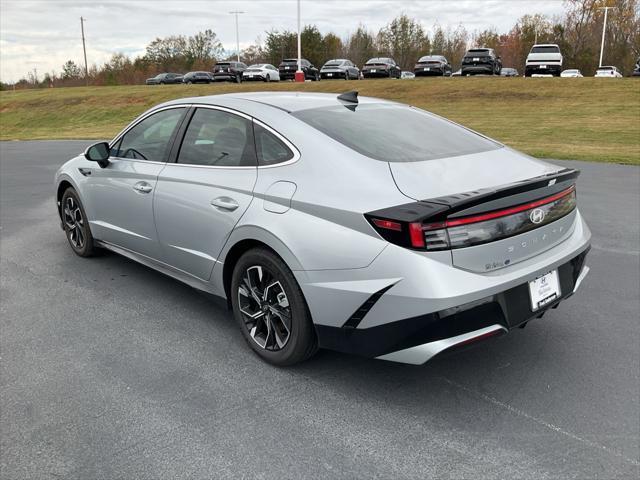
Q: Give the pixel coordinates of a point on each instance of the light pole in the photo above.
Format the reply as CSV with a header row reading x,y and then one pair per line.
x,y
299,74
84,49
236,13
604,29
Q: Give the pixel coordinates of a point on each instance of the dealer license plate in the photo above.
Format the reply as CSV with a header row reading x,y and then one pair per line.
x,y
543,66
426,69
373,70
476,59
544,290
329,74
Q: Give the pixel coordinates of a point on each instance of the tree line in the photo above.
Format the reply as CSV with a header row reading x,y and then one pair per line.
x,y
578,33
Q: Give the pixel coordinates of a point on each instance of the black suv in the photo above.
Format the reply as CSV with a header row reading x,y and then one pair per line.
x,y
381,67
432,65
228,71
481,61
288,67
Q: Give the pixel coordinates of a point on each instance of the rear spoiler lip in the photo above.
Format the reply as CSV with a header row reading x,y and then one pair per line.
x,y
466,203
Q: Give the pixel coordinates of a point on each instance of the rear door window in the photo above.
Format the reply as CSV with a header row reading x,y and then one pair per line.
x,y
218,138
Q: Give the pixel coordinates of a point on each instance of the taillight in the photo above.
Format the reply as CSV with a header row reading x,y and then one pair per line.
x,y
465,231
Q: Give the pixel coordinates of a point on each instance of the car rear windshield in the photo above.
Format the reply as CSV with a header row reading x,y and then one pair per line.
x,y
333,64
477,53
395,133
548,49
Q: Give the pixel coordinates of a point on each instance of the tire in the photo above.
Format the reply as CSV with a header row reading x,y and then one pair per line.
x,y
281,340
75,224
162,83
238,79
267,78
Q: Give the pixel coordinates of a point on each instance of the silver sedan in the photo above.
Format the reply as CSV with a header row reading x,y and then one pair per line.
x,y
354,224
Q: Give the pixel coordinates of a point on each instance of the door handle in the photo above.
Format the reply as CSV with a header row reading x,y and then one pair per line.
x,y
142,187
225,203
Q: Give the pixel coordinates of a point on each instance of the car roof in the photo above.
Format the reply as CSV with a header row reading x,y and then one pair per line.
x,y
545,45
287,101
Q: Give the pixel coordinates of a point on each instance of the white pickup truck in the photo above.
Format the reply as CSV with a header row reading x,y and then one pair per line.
x,y
544,59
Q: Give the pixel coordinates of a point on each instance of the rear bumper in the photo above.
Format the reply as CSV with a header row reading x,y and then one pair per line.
x,y
550,69
433,71
330,75
477,69
416,340
404,299
288,75
378,74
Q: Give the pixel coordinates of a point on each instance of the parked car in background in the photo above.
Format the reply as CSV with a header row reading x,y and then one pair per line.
x,y
409,234
197,77
436,65
482,61
571,73
262,72
288,67
164,78
608,72
508,72
381,67
228,71
636,69
340,68
406,75
544,59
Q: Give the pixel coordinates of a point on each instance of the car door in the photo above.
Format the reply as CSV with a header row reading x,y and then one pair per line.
x,y
120,196
201,196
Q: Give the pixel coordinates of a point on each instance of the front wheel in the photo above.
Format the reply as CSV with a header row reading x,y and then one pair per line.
x,y
271,310
76,225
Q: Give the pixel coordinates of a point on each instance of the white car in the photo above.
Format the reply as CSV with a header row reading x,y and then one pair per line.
x,y
545,60
608,72
571,73
264,72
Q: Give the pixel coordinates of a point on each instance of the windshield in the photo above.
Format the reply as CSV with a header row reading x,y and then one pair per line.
x,y
395,133
477,53
546,49
333,64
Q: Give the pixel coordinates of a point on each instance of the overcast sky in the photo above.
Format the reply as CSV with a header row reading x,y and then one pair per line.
x,y
43,34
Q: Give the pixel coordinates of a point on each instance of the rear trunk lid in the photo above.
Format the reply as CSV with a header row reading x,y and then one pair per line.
x,y
490,209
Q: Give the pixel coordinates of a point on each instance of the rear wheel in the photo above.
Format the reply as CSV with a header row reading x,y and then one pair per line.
x,y
76,225
271,310
267,78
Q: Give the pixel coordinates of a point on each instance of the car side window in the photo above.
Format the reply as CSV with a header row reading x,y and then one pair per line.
x,y
150,139
270,149
218,138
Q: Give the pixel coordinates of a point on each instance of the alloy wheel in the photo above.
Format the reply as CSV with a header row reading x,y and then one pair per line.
x,y
265,308
74,221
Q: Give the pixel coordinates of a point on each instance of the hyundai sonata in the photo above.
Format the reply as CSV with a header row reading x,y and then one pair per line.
x,y
354,224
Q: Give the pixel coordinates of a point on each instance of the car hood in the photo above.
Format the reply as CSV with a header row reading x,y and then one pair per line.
x,y
465,173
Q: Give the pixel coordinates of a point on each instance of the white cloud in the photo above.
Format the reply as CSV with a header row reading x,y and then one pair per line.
x,y
44,34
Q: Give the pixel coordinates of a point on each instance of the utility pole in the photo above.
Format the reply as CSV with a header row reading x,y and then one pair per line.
x,y
299,77
604,29
236,13
84,49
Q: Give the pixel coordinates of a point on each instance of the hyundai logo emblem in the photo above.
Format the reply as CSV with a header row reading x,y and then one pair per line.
x,y
537,215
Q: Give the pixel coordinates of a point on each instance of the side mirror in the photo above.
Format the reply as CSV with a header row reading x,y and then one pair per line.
x,y
98,152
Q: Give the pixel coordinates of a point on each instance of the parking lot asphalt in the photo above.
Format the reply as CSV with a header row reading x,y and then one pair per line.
x,y
111,370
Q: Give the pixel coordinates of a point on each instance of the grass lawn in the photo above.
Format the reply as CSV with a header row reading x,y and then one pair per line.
x,y
565,118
